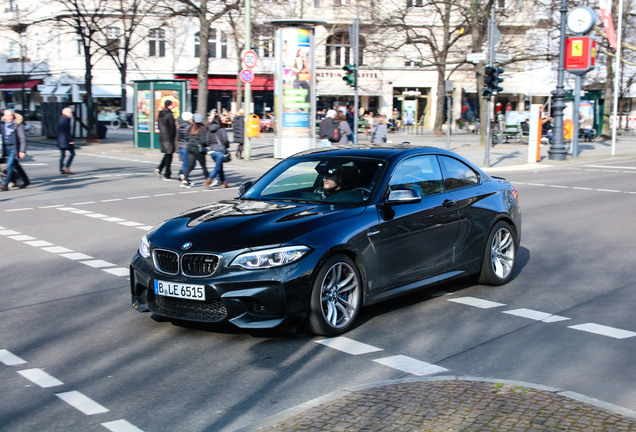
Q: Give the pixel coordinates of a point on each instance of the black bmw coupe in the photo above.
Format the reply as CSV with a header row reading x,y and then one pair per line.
x,y
326,232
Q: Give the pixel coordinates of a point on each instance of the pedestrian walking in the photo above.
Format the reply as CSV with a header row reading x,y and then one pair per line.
x,y
197,145
217,148
238,129
378,130
183,125
167,135
13,149
65,141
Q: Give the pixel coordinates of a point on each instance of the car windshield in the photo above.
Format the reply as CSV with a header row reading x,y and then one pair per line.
x,y
333,180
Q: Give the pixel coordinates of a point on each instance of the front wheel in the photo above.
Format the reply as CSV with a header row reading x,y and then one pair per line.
x,y
499,255
336,297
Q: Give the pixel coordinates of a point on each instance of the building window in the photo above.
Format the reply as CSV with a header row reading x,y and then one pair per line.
x,y
113,40
14,51
157,42
79,45
414,3
264,43
342,2
217,44
338,50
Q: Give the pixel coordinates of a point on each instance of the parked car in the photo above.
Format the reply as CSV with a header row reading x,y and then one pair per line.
x,y
292,249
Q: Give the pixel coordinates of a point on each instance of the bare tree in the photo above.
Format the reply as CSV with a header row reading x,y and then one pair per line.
x,y
206,12
85,18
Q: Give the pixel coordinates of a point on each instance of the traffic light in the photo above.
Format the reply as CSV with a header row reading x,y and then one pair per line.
x,y
491,81
350,75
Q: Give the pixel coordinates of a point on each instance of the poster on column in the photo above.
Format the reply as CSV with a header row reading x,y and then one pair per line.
x,y
297,81
143,110
161,96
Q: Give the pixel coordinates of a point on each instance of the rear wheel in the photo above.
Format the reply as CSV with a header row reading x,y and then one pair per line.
x,y
336,297
499,256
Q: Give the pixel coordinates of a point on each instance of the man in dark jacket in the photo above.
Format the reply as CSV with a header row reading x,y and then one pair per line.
x,y
13,148
325,127
167,134
65,140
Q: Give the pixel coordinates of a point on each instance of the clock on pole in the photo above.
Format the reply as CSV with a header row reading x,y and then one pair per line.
x,y
581,19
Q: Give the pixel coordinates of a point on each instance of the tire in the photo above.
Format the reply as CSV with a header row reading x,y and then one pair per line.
x,y
499,255
336,297
115,124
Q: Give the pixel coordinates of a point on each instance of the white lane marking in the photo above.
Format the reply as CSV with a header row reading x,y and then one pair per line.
x,y
51,206
118,271
114,219
56,249
82,403
8,232
410,365
582,188
10,359
97,215
608,190
76,256
144,227
121,426
535,315
348,346
612,166
558,187
67,208
38,243
98,263
112,200
83,203
604,330
19,209
130,223
138,197
41,378
22,237
472,301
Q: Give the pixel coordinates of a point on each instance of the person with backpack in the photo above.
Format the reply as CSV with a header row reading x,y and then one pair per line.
x,y
198,140
13,149
342,129
326,128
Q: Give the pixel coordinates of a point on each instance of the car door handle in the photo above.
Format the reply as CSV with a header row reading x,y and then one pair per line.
x,y
448,203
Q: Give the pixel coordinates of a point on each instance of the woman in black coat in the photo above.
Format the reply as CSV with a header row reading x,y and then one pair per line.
x,y
167,135
238,128
65,140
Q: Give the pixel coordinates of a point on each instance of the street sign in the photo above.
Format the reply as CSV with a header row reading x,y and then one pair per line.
x,y
476,57
249,59
247,75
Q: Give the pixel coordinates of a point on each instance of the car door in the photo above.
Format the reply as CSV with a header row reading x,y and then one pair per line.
x,y
417,238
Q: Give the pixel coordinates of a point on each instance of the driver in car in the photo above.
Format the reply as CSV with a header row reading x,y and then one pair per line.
x,y
331,183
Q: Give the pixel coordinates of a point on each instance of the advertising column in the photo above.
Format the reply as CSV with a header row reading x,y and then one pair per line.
x,y
295,91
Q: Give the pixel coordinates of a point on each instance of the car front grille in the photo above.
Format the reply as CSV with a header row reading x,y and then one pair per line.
x,y
199,265
166,261
192,265
212,310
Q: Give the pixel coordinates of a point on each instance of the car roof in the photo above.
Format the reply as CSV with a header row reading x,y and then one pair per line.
x,y
381,152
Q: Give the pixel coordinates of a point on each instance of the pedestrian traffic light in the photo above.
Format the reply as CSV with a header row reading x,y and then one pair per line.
x,y
350,74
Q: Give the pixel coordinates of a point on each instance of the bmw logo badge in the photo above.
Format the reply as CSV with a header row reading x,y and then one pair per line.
x,y
186,246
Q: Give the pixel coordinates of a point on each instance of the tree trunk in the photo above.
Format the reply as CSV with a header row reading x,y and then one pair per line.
x,y
441,96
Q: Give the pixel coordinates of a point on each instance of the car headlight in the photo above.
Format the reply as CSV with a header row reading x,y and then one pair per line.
x,y
270,257
144,247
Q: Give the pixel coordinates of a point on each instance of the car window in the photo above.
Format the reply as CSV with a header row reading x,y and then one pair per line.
x,y
302,180
457,174
421,173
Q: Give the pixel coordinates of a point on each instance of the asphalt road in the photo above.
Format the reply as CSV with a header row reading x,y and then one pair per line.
x,y
74,356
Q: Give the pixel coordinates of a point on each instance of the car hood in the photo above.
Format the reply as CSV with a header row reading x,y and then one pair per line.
x,y
237,224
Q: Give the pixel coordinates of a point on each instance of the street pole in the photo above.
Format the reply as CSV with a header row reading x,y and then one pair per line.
x,y
557,149
490,60
577,102
617,75
247,149
356,53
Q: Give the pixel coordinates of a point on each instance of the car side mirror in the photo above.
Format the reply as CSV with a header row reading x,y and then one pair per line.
x,y
403,195
245,187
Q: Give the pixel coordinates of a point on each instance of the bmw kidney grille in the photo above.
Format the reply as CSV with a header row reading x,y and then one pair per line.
x,y
192,264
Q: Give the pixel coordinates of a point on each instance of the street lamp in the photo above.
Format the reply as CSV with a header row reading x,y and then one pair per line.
x,y
557,149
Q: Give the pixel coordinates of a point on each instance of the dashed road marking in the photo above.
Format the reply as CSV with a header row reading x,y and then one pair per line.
x,y
480,303
41,378
604,330
410,365
575,188
10,359
348,346
536,315
121,426
82,403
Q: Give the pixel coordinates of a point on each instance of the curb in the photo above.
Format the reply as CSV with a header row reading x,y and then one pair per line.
x,y
269,422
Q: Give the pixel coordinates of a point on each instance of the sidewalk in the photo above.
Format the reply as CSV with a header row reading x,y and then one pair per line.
x,y
443,404
501,156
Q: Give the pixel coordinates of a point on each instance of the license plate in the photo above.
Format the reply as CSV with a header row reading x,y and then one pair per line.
x,y
185,291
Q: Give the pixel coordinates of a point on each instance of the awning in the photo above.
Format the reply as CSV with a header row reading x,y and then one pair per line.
x,y
17,85
226,82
